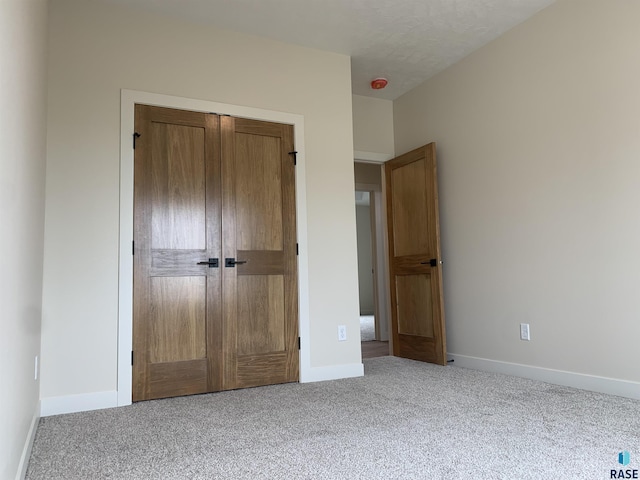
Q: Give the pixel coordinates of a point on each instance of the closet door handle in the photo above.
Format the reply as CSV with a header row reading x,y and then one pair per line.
x,y
232,262
212,262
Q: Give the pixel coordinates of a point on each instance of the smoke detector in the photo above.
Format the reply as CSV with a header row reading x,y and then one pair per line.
x,y
379,83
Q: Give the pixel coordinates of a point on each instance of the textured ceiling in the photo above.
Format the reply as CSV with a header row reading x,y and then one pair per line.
x,y
406,41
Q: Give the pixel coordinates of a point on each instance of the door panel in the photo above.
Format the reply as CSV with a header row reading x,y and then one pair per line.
x,y
264,262
409,213
260,294
178,190
414,306
178,319
258,196
178,378
417,311
260,318
177,326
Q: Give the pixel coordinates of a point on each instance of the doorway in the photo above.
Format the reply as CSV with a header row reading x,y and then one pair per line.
x,y
374,318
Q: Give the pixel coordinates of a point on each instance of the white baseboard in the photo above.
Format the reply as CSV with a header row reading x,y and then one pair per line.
x,y
99,400
335,372
611,386
28,445
78,403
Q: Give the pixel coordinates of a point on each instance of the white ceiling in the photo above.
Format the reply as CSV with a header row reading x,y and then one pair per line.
x,y
406,41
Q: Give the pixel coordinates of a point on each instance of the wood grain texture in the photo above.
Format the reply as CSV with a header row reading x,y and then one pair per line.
x,y
422,349
142,257
259,297
260,128
197,328
178,195
265,369
414,305
178,378
412,264
261,262
178,323
260,314
290,250
258,194
408,204
417,304
214,250
229,250
178,262
176,317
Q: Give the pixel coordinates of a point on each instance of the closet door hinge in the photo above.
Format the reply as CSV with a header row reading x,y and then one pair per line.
x,y
131,357
135,136
133,247
298,343
295,158
297,250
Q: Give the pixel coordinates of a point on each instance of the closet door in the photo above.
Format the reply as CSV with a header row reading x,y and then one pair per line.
x,y
177,326
260,309
215,265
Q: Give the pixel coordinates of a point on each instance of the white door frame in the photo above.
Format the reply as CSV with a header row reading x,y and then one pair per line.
x,y
128,99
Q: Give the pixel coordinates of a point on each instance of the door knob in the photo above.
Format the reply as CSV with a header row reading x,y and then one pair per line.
x,y
213,263
232,262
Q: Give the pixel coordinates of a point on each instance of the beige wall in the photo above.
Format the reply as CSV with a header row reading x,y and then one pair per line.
x,y
95,50
539,172
372,125
23,38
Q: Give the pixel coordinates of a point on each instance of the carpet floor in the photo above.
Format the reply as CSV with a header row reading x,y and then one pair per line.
x,y
402,420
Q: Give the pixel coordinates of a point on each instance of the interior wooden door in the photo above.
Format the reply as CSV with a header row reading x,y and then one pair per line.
x,y
414,256
259,249
215,261
176,319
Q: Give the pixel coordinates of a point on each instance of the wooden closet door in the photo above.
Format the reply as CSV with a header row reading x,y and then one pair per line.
x,y
260,308
215,261
176,322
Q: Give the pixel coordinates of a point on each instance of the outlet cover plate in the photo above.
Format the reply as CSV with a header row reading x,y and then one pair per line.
x,y
342,333
524,332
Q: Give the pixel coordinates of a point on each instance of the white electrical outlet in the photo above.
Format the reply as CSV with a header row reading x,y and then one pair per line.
x,y
524,332
342,333
35,374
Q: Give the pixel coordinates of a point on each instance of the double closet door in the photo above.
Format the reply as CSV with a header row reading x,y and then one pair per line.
x,y
215,265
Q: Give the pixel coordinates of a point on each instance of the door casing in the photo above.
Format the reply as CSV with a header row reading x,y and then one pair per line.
x,y
128,99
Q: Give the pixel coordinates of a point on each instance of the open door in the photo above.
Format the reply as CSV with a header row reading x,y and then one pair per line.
x,y
417,310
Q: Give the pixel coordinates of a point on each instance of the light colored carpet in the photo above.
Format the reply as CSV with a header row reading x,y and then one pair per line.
x,y
402,420
367,328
